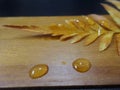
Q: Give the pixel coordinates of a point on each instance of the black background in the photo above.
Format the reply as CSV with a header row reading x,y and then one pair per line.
x,y
53,8
50,7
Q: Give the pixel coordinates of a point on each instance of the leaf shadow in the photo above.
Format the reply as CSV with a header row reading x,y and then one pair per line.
x,y
41,37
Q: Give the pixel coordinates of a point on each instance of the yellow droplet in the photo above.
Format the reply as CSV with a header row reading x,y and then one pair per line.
x,y
38,71
89,20
81,65
63,62
105,23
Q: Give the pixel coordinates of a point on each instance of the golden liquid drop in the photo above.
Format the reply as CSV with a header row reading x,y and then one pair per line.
x,y
89,20
38,71
81,65
105,23
63,62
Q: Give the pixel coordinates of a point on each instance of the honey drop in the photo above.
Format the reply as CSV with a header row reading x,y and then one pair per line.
x,y
38,71
63,62
81,65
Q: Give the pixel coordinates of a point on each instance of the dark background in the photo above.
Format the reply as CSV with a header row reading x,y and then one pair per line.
x,y
50,7
53,8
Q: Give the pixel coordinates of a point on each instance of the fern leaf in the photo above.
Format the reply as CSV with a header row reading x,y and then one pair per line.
x,y
84,27
105,41
115,14
79,37
89,27
115,2
91,38
65,30
105,22
32,28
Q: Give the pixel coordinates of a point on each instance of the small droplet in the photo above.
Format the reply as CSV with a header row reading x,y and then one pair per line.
x,y
104,23
38,71
89,20
76,20
63,62
81,65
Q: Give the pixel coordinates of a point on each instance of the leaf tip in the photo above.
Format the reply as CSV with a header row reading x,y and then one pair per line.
x,y
102,47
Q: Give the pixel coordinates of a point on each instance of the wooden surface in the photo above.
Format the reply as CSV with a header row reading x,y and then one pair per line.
x,y
21,50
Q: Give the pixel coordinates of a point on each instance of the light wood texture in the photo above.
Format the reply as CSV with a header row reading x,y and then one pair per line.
x,y
21,50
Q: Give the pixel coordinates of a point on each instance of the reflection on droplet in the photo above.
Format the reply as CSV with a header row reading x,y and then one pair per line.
x,y
38,71
104,23
89,20
81,65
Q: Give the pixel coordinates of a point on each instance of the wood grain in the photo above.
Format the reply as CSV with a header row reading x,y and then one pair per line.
x,y
21,50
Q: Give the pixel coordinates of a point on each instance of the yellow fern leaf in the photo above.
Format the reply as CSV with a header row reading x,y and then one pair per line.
x,y
115,14
32,28
115,2
89,27
105,22
105,41
91,38
79,37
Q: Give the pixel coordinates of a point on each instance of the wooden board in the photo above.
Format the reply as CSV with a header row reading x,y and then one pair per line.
x,y
21,50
